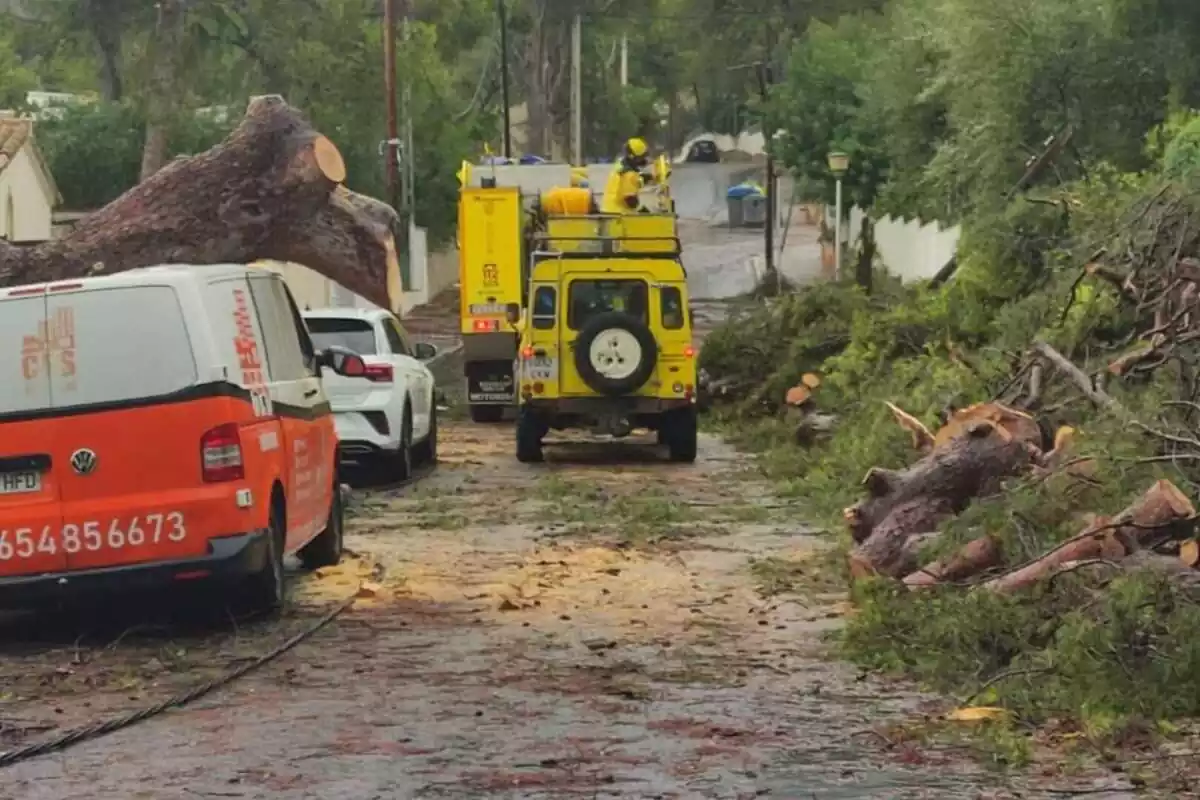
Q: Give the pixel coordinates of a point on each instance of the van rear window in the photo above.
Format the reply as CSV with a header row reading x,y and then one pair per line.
x,y
128,343
357,335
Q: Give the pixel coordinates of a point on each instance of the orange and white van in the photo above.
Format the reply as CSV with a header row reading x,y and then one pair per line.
x,y
163,425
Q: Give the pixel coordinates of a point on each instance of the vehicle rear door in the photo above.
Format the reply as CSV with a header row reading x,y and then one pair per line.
x,y
588,296
130,416
30,494
300,403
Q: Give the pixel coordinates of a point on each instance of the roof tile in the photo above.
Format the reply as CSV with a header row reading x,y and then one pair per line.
x,y
13,135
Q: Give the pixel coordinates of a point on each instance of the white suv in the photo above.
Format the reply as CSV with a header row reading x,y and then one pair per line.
x,y
389,415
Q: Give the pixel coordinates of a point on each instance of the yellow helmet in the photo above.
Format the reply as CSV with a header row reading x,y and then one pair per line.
x,y
636,147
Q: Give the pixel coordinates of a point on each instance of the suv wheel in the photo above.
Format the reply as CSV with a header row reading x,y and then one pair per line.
x,y
680,434
266,590
427,450
402,460
326,549
530,431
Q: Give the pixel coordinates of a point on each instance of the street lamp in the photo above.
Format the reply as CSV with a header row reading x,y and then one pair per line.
x,y
839,162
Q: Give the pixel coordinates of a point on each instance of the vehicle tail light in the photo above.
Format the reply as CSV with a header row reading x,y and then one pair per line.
x,y
379,373
527,353
689,351
221,454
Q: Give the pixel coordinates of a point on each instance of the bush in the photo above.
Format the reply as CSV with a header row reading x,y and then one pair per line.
x,y
1109,653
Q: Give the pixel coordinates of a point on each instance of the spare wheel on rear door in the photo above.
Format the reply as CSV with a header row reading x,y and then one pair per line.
x,y
615,353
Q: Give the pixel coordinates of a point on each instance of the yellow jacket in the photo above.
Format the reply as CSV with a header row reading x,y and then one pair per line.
x,y
621,191
567,201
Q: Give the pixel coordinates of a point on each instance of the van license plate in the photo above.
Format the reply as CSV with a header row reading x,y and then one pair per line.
x,y
20,482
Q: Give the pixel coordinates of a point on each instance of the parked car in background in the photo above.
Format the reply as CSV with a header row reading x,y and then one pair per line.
x,y
164,426
386,418
703,151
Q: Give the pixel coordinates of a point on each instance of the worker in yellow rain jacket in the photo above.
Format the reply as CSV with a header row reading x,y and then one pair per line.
x,y
573,200
621,191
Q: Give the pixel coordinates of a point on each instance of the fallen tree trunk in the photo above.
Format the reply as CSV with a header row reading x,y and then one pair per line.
x,y
956,472
916,500
1163,511
270,191
971,559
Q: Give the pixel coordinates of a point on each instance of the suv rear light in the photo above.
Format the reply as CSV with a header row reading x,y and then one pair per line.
x,y
379,373
221,454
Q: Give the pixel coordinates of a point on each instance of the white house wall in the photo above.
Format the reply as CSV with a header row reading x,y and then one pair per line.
x,y
910,249
30,204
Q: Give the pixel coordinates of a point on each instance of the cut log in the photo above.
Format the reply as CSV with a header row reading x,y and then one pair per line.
x,y
971,559
1162,511
893,549
270,191
1008,421
798,395
957,472
811,380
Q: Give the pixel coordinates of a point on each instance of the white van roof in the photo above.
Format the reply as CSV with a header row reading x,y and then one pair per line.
x,y
167,274
368,314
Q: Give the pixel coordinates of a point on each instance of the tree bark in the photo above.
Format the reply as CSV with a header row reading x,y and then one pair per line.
x,y
271,190
904,503
971,559
162,100
537,101
864,268
104,19
968,466
1163,511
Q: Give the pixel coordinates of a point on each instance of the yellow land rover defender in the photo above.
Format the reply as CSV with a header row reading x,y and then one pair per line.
x,y
606,337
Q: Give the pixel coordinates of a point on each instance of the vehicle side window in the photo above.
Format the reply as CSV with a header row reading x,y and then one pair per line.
x,y
671,300
307,349
545,308
285,354
397,341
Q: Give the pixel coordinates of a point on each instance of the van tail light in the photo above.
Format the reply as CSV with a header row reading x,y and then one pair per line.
x,y
689,352
379,373
221,454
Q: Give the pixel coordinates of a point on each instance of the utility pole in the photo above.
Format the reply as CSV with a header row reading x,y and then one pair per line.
x,y
577,89
500,9
408,162
764,83
389,84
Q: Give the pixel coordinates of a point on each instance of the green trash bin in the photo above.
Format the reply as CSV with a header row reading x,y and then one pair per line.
x,y
754,211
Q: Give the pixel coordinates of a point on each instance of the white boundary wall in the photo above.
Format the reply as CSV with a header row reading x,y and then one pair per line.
x,y
910,249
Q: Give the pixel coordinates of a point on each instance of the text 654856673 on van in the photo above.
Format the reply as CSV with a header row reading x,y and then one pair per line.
x,y
160,426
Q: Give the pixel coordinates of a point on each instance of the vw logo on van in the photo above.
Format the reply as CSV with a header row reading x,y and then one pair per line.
x,y
84,461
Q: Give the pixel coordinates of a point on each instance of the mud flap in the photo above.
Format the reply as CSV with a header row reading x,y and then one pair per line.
x,y
490,383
